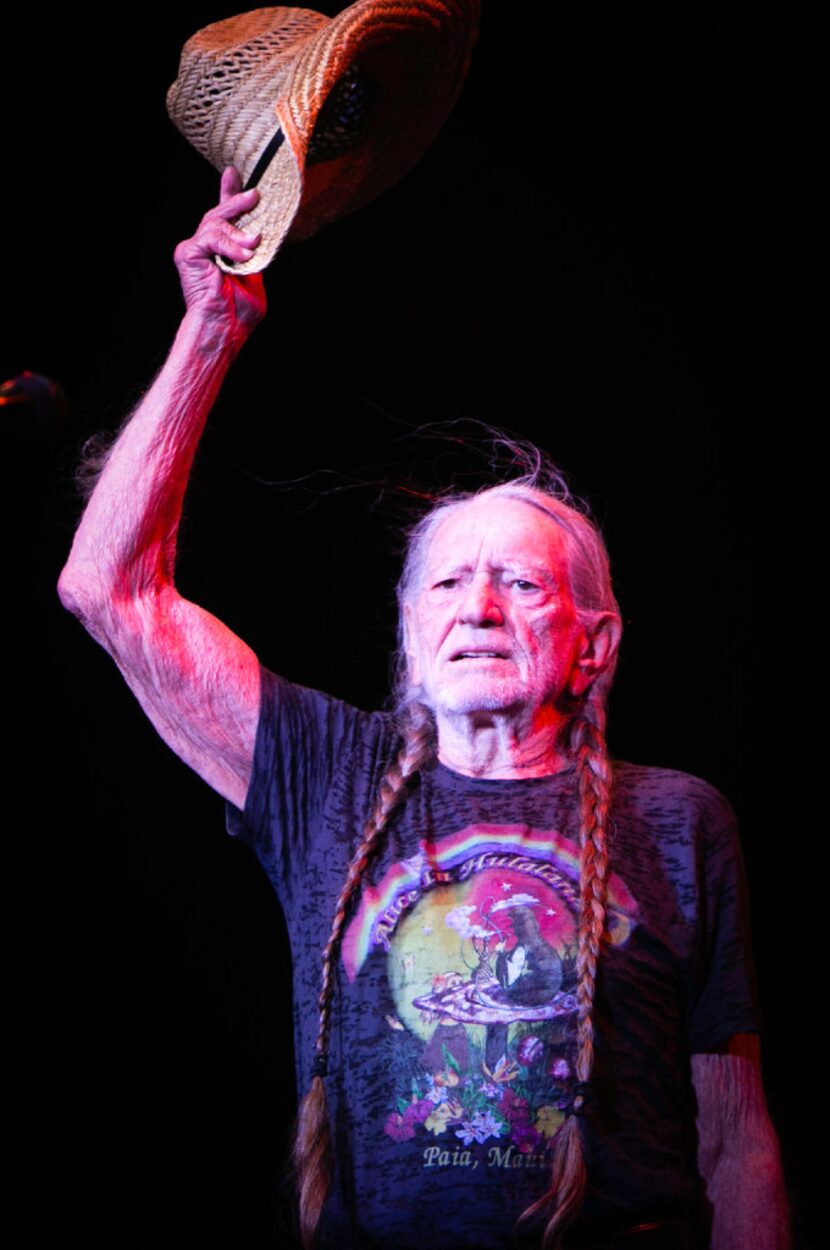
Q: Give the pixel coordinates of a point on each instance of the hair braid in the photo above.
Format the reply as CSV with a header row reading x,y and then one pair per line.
x,y
595,799
568,1173
312,1139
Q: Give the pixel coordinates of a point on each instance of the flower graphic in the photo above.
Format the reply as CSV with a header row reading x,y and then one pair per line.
x,y
487,1125
525,1137
467,1133
548,1120
482,1125
504,1071
529,1050
514,1108
440,1117
401,1127
439,1085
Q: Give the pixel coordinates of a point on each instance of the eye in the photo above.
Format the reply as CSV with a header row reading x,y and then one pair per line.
x,y
447,583
521,583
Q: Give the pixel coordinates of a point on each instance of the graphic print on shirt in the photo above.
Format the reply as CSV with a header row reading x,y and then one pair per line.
x,y
479,932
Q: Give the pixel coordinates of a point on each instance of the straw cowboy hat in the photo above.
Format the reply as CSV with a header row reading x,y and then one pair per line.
x,y
320,114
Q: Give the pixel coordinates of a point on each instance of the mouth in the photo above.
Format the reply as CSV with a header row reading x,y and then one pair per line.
x,y
478,655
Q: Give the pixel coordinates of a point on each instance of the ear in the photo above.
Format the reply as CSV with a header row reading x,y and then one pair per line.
x,y
409,634
600,641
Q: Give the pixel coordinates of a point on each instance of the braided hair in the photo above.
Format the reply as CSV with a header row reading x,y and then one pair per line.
x,y
312,1142
582,736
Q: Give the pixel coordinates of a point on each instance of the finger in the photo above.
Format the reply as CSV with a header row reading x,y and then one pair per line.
x,y
214,220
218,238
246,238
233,200
235,251
233,206
231,183
240,203
189,257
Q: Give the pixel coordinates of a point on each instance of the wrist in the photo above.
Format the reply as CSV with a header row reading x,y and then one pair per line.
x,y
208,335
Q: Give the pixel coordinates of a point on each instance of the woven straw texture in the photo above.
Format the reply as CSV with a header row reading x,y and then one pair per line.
x,y
241,79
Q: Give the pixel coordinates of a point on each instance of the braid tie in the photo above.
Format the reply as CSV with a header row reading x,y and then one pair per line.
x,y
580,1097
320,1066
312,1139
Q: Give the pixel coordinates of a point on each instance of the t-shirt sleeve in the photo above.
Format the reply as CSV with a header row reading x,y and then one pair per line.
x,y
725,1001
302,737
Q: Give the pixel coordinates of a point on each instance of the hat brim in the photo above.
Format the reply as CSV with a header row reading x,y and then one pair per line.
x,y
280,196
417,55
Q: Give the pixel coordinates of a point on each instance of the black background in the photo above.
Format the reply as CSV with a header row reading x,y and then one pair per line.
x,y
613,248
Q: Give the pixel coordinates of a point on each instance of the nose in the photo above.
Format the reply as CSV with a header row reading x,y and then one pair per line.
x,y
480,605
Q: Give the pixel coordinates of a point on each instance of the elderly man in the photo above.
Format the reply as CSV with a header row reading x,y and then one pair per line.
x,y
534,964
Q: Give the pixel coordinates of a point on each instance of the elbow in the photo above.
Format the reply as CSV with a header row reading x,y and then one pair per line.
x,y
115,616
85,597
69,591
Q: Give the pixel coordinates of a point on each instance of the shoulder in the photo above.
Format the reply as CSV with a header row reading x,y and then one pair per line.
x,y
668,795
301,717
668,821
308,744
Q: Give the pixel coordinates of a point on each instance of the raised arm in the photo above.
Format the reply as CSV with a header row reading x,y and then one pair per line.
x,y
196,680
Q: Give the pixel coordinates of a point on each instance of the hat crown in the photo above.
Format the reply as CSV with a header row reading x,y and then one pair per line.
x,y
230,74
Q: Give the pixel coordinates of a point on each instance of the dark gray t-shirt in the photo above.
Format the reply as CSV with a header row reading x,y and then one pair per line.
x,y
452,1042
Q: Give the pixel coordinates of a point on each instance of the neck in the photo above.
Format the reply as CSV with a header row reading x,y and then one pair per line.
x,y
498,747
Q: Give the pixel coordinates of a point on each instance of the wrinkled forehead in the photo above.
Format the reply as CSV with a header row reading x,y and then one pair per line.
x,y
505,525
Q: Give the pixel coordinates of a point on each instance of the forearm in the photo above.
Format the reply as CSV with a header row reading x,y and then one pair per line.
x,y
197,682
125,544
738,1156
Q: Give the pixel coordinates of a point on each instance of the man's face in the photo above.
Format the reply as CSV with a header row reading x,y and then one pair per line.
x,y
494,628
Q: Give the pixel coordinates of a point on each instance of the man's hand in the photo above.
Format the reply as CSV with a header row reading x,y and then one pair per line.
x,y
224,300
